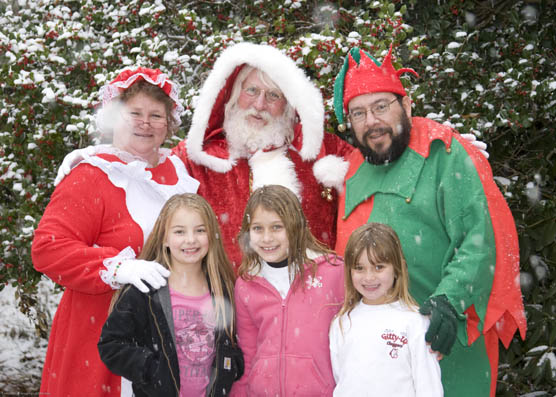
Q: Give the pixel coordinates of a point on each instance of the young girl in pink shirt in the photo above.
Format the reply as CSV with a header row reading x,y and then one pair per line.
x,y
289,289
178,340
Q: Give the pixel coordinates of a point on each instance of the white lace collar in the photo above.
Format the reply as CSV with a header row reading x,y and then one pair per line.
x,y
127,157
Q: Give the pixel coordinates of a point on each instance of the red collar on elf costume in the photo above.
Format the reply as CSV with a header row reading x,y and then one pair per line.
x,y
363,74
130,76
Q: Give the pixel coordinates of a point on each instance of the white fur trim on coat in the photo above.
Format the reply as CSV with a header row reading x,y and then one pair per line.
x,y
330,171
274,168
300,92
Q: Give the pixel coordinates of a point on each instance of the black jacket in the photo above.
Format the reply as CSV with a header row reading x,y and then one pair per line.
x,y
138,343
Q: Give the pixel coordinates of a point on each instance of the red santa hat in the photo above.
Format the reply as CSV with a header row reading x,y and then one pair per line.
x,y
273,166
298,90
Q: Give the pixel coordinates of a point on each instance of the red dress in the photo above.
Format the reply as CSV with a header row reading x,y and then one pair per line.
x,y
86,222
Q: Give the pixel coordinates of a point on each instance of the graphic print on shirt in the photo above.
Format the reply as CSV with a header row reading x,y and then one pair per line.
x,y
395,341
314,282
194,342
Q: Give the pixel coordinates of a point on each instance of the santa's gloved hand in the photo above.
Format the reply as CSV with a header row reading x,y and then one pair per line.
x,y
478,144
135,271
73,158
443,326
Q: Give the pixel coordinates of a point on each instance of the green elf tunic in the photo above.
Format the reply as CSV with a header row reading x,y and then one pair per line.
x,y
441,200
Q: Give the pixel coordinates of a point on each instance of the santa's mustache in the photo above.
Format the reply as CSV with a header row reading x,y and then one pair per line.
x,y
262,114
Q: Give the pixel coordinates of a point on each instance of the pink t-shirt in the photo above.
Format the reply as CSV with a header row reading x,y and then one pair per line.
x,y
194,328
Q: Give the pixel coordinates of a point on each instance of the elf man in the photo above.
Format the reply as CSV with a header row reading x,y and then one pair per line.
x,y
437,191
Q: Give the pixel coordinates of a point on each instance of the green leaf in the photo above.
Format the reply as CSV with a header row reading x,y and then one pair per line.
x,y
391,9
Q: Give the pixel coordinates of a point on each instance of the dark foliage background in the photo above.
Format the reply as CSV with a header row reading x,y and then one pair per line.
x,y
486,67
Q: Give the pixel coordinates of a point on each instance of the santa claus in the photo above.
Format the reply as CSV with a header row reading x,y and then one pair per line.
x,y
259,120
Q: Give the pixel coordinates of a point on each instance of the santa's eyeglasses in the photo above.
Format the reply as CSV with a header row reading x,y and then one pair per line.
x,y
271,96
136,118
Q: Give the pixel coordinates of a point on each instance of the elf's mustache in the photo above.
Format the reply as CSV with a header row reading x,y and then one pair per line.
x,y
377,132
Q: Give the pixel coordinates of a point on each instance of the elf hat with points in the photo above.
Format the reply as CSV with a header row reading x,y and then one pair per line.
x,y
363,74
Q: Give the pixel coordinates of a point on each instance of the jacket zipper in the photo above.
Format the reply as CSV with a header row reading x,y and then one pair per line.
x,y
283,303
281,367
283,347
162,346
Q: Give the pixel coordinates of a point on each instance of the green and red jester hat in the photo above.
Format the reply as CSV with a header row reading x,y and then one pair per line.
x,y
363,74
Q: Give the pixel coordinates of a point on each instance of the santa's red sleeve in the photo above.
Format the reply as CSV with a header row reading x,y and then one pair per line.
x,y
333,144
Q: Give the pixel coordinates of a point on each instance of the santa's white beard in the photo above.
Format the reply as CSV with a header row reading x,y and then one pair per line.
x,y
245,139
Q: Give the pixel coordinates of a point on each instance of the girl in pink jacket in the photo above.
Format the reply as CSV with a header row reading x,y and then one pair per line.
x,y
289,289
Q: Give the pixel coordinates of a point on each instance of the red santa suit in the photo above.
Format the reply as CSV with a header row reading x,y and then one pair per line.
x,y
311,165
104,209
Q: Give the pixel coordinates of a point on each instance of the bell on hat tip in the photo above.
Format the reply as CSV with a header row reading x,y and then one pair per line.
x,y
342,127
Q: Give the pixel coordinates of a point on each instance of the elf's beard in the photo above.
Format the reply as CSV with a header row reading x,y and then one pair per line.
x,y
399,143
245,139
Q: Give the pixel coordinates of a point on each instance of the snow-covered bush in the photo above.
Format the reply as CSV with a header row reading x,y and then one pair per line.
x,y
486,67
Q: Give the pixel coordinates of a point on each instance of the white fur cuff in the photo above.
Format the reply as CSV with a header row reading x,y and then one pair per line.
x,y
112,264
331,171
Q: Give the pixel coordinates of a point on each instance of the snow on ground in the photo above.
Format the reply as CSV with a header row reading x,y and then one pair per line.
x,y
22,353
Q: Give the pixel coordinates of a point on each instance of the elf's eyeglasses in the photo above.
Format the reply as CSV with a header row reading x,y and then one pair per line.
x,y
136,118
377,109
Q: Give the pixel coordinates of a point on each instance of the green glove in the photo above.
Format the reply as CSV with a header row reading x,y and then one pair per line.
x,y
443,328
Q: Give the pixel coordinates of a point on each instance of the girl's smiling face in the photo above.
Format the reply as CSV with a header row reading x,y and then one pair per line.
x,y
187,238
267,236
374,281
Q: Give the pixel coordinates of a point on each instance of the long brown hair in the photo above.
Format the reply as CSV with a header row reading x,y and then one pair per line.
x,y
215,264
381,245
285,204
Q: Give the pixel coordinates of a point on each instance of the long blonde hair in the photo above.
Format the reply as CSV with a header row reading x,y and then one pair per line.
x,y
215,264
381,245
285,204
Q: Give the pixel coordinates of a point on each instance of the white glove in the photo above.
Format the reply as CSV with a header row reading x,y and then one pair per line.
x,y
478,144
135,271
72,159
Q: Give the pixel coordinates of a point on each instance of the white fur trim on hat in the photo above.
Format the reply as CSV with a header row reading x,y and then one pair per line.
x,y
300,92
331,171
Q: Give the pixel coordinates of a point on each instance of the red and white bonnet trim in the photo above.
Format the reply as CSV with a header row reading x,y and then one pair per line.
x,y
129,76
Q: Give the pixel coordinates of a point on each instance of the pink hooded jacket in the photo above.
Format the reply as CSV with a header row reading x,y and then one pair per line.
x,y
285,341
